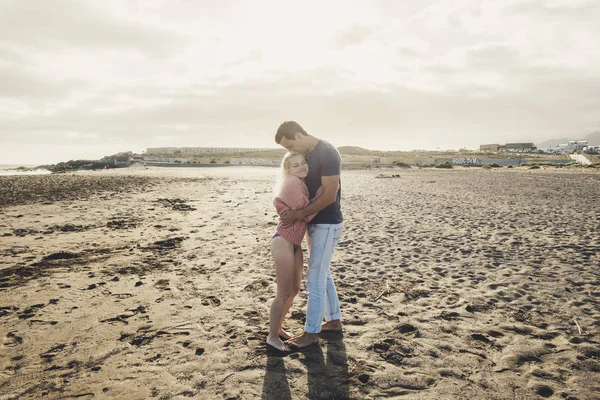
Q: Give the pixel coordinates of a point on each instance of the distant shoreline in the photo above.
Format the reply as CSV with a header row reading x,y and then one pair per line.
x,y
23,173
171,165
15,166
13,170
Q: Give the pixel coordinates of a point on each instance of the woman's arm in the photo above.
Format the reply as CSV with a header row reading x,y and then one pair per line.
x,y
330,186
293,196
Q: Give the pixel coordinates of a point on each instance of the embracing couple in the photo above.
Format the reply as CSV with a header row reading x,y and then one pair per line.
x,y
308,202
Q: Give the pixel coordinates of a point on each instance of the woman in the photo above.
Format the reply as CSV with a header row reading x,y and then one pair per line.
x,y
286,245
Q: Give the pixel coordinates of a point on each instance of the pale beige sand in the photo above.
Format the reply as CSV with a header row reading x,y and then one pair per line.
x,y
454,284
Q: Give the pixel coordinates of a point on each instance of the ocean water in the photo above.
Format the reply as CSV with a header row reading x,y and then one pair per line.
x,y
9,169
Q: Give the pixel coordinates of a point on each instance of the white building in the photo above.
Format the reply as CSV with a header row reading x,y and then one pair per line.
x,y
254,161
190,151
572,146
592,149
166,159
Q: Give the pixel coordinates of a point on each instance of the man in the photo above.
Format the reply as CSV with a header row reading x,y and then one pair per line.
x,y
324,230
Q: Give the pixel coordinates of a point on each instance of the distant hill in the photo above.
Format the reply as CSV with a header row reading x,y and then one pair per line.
x,y
354,151
359,151
554,142
593,139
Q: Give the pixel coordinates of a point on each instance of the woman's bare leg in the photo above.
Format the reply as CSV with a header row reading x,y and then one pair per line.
x,y
299,277
298,268
283,254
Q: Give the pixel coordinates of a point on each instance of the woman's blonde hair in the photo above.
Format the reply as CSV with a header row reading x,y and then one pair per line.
x,y
285,170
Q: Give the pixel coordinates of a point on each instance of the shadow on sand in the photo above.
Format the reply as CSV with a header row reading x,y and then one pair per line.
x,y
275,385
327,376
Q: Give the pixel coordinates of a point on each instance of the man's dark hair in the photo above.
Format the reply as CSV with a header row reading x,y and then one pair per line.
x,y
288,130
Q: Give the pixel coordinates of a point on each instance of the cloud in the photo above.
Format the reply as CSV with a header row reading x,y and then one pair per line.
x,y
253,56
493,56
248,113
354,34
18,83
64,24
579,11
383,74
9,56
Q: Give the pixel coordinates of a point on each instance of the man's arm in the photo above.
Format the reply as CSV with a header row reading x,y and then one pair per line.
x,y
330,185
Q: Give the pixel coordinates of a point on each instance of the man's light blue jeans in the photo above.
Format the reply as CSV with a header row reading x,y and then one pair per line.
x,y
322,297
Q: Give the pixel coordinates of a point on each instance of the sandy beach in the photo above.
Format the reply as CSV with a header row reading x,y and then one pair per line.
x,y
156,283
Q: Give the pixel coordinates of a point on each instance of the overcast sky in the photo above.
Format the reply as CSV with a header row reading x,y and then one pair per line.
x,y
83,78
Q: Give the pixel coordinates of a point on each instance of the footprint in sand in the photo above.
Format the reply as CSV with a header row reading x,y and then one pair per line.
x,y
13,339
211,301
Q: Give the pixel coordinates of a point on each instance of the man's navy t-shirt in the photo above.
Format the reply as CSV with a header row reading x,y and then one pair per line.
x,y
324,160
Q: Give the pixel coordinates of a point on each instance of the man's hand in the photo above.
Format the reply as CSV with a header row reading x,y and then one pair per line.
x,y
289,217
